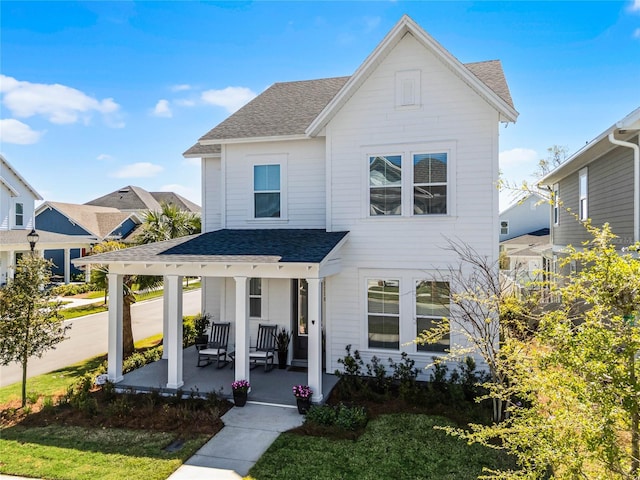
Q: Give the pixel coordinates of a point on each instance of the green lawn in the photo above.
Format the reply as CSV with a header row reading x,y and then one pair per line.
x,y
402,446
72,453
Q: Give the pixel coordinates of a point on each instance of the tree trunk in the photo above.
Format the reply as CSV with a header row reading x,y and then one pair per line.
x,y
635,421
127,330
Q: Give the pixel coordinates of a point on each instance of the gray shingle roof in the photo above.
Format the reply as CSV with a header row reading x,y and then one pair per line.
x,y
177,200
19,237
127,198
97,220
258,245
288,108
283,109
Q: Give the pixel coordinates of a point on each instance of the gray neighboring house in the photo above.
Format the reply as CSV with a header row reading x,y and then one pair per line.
x,y
600,182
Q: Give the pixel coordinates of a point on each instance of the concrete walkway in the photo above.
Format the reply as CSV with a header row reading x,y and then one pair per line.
x,y
247,433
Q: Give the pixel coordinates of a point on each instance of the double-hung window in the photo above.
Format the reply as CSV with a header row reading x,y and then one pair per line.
x,y
385,185
582,194
266,191
19,214
429,183
255,297
383,313
432,305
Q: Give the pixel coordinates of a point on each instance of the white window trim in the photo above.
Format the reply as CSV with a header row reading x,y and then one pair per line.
x,y
14,214
448,147
583,213
268,159
261,297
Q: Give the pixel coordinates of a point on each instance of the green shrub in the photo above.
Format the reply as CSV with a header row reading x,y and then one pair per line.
x,y
72,289
321,415
188,331
351,418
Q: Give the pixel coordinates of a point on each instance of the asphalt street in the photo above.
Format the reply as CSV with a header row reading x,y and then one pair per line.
x,y
88,337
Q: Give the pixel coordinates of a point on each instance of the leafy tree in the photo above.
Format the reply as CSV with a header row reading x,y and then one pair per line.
x,y
142,282
576,382
556,155
30,322
170,222
479,300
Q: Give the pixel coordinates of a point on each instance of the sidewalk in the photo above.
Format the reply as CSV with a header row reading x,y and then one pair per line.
x,y
247,433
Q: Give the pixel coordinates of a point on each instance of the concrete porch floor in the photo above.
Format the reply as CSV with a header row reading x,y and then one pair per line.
x,y
273,387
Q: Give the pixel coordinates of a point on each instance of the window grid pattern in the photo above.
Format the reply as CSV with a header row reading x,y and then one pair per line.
x,y
266,191
432,305
383,313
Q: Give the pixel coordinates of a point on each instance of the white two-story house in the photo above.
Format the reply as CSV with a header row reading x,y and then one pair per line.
x,y
327,205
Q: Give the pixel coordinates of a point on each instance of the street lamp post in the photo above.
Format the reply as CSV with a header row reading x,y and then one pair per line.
x,y
33,238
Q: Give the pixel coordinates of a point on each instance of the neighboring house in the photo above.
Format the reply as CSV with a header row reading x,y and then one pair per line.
x,y
528,214
87,222
327,205
524,258
138,200
600,182
17,219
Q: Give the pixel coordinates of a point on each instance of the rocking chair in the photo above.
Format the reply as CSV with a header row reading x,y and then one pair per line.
x,y
216,347
265,349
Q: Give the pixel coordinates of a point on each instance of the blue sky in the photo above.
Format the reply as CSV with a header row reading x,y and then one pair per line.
x,y
98,95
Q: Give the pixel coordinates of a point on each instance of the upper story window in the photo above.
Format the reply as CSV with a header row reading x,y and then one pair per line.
x,y
385,185
19,214
582,195
556,205
383,313
432,305
255,297
266,191
504,227
429,183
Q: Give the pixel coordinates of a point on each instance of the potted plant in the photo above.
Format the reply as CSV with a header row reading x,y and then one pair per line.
x,y
200,324
303,398
282,346
240,390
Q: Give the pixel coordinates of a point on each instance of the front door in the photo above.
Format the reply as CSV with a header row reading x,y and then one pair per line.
x,y
300,316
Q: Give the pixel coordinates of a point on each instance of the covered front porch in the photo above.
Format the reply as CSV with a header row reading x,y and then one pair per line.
x,y
273,387
236,257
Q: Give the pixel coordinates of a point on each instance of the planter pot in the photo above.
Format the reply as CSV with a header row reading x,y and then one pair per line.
x,y
240,398
304,404
282,359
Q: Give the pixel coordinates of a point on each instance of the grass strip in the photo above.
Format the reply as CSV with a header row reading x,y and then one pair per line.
x,y
393,446
70,453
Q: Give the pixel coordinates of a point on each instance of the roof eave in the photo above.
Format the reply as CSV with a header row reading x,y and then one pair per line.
x,y
273,138
33,191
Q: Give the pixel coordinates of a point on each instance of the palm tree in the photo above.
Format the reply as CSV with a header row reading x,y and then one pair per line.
x,y
143,282
170,222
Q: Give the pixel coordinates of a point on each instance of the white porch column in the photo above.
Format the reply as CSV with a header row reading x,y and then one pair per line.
x,y
11,264
173,286
242,329
165,319
67,265
315,338
114,358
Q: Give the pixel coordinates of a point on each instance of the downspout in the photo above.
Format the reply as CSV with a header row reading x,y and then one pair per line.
x,y
636,182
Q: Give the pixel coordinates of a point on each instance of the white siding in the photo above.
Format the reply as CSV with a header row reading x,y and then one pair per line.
x,y
451,114
211,194
530,215
303,187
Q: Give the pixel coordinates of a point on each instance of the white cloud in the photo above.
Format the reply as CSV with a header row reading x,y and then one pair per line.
x,y
138,170
635,6
57,103
180,88
636,33
185,102
104,157
14,131
370,23
517,157
231,98
162,109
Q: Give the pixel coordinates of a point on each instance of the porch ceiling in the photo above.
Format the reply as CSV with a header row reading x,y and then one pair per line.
x,y
275,253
